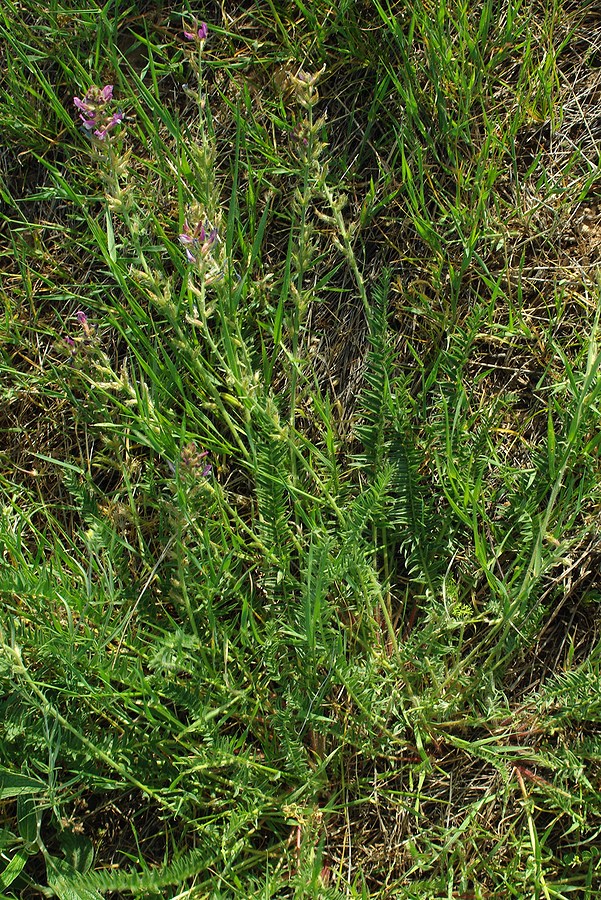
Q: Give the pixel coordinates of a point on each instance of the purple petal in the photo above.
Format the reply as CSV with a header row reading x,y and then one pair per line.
x,y
106,93
206,471
191,257
199,35
81,317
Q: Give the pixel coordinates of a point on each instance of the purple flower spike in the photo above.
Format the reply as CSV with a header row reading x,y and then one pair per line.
x,y
82,318
191,461
196,241
94,112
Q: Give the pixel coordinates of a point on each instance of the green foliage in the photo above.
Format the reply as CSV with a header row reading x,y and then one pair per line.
x,y
299,530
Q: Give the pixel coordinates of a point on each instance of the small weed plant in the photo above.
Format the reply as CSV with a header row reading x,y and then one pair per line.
x,y
299,458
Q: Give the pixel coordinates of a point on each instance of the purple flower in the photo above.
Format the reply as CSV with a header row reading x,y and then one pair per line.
x,y
87,112
88,330
115,119
81,104
191,460
190,236
196,239
199,34
93,112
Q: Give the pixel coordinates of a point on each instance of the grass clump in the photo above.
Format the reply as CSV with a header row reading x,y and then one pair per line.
x,y
299,464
